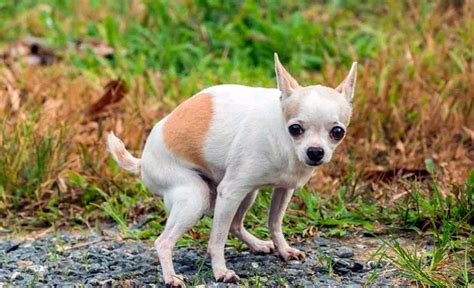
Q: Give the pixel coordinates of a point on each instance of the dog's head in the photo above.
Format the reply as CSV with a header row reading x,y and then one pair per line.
x,y
316,116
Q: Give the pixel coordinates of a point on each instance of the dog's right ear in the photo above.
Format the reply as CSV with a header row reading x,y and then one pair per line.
x,y
286,84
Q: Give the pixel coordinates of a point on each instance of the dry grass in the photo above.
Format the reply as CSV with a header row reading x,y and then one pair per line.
x,y
413,102
404,164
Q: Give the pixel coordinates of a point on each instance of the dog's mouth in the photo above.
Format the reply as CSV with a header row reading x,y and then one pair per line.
x,y
313,163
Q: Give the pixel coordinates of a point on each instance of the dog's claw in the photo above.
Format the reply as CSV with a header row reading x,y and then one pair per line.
x,y
177,281
290,253
227,276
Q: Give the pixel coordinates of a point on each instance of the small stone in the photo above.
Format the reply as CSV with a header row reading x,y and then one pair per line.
x,y
360,246
38,270
292,271
322,242
95,268
16,276
344,252
255,265
115,268
342,263
72,273
353,286
357,266
371,265
12,247
306,283
341,270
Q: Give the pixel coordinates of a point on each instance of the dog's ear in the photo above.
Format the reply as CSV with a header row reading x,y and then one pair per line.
x,y
347,86
286,84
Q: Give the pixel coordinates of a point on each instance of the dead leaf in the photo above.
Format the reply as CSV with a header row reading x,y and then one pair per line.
x,y
388,175
115,90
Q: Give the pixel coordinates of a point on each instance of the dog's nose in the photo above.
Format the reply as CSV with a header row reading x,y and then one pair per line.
x,y
315,154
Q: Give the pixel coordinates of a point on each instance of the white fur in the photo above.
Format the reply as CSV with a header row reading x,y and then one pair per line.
x,y
248,147
126,160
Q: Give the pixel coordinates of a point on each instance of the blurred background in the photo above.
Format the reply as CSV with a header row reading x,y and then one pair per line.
x,y
72,70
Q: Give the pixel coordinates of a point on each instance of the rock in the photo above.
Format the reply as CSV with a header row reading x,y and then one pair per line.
x,y
344,252
115,268
353,286
39,270
12,247
108,264
360,246
371,265
342,263
341,270
3,276
321,242
16,276
95,268
357,266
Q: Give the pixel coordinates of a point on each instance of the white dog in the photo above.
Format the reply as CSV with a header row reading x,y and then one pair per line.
x,y
215,150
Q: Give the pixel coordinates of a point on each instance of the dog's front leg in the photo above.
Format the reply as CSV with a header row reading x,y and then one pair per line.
x,y
227,202
280,199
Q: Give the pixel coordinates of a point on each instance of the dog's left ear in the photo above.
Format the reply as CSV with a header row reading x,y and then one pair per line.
x,y
347,86
286,84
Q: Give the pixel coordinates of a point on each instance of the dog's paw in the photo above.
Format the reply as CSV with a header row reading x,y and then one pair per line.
x,y
227,276
175,281
260,246
289,253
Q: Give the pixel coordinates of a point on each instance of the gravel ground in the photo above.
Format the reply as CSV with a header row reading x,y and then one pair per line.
x,y
95,260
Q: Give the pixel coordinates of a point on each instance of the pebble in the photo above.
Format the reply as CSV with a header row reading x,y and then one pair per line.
x,y
322,242
353,286
16,276
357,266
360,246
343,263
371,265
109,263
344,252
12,247
95,268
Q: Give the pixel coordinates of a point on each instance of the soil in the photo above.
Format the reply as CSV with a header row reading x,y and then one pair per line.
x,y
96,260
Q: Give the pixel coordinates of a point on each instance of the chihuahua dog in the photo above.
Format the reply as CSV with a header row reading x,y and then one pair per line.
x,y
215,150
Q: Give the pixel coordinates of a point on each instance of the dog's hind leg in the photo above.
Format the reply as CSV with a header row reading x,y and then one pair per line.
x,y
187,204
237,228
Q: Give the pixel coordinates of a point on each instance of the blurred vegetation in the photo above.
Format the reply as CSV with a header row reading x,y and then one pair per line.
x,y
406,164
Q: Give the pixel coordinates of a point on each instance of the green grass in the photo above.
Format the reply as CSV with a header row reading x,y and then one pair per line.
x,y
413,110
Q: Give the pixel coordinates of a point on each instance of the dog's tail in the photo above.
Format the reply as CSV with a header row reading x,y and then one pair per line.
x,y
121,155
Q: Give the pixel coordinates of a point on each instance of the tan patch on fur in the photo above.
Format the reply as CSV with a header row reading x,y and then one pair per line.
x,y
186,128
290,111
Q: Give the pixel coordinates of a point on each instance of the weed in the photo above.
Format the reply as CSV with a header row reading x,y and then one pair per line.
x,y
403,165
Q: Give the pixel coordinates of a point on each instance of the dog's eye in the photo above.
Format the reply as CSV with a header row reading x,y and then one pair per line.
x,y
295,130
337,133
